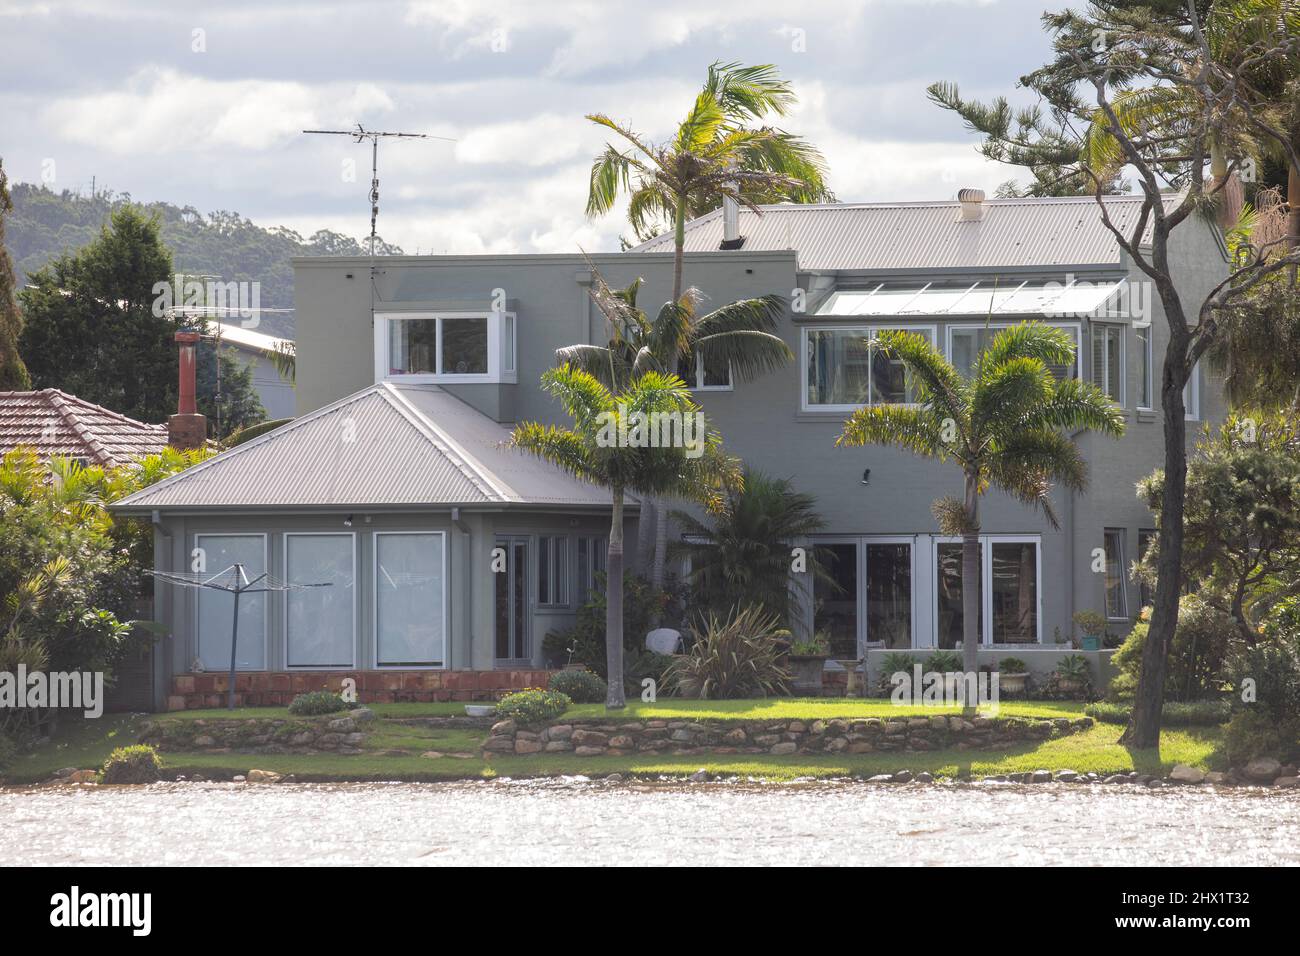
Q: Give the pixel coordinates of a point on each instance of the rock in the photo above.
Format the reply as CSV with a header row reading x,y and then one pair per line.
x,y
614,778
903,776
1216,777
504,727
362,715
302,739
65,772
588,751
837,744
499,745
341,725
1155,783
1040,776
263,776
432,754
1117,778
924,777
590,738
1289,783
700,776
523,746
819,727
558,732
238,778
735,737
527,735
1263,769
938,723
354,739
782,749
1066,776
881,778
622,742
766,740
557,746
82,776
205,741
1185,774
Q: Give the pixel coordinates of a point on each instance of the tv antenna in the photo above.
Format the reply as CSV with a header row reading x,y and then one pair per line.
x,y
361,134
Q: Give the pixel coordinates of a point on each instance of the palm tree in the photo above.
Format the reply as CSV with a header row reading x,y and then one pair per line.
x,y
742,557
1004,426
711,155
740,336
592,450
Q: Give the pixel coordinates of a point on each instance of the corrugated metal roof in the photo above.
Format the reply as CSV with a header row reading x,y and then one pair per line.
x,y
388,445
56,423
1012,233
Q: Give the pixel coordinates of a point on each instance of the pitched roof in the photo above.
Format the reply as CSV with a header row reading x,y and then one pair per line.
x,y
1012,233
56,423
388,445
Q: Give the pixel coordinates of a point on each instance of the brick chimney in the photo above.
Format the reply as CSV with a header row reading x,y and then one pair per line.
x,y
187,428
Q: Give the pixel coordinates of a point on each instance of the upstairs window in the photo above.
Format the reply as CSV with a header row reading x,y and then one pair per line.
x,y
448,347
842,370
966,342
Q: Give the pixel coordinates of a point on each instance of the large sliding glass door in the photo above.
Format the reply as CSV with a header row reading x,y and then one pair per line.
x,y
869,602
1009,594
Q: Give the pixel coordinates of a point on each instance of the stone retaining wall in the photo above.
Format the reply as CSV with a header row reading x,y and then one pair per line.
x,y
858,736
342,732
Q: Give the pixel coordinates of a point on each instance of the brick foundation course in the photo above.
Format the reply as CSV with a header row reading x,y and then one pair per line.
x,y
279,688
779,737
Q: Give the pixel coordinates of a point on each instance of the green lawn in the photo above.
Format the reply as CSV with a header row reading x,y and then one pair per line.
x,y
805,708
394,753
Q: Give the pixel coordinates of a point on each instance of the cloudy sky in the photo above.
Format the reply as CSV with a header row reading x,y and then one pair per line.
x,y
203,105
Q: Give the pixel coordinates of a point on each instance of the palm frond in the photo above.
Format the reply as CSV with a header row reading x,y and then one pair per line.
x,y
917,430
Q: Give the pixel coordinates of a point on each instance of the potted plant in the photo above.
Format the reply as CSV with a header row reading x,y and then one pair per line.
x,y
943,662
1012,675
1092,625
807,661
1072,674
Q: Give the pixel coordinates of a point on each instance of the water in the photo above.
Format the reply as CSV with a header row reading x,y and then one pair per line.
x,y
594,823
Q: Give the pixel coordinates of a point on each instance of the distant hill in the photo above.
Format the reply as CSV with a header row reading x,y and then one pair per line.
x,y
45,223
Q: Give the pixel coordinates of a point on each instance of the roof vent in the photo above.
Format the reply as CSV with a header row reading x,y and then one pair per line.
x,y
731,237
972,205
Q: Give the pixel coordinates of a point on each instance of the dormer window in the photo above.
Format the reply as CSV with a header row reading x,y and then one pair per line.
x,y
445,347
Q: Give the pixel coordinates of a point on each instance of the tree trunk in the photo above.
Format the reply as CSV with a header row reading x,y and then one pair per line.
x,y
1143,729
614,607
1293,208
645,535
971,585
679,246
661,550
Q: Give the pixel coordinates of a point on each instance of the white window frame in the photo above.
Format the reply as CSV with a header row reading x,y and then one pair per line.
x,y
1121,374
1192,395
861,543
872,331
986,585
266,602
497,325
555,541
1121,535
1150,384
284,564
1075,327
698,384
374,609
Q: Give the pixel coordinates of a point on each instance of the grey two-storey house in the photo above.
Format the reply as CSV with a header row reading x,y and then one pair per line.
x,y
392,484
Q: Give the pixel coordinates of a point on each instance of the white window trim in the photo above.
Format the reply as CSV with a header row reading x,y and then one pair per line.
x,y
285,603
1120,563
374,610
986,584
495,352
558,539
861,543
1075,327
872,330
1150,383
699,386
1192,396
1121,379
266,603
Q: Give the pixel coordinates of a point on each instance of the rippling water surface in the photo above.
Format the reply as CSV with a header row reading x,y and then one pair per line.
x,y
593,823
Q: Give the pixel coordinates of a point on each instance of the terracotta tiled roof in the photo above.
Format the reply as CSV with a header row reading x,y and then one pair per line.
x,y
56,423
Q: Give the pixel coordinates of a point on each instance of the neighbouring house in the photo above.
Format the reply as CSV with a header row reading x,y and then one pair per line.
x,y
392,488
56,424
255,349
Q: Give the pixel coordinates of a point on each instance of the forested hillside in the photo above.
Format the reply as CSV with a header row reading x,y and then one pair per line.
x,y
44,223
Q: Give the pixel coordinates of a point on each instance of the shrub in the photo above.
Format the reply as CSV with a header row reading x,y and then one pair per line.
x,y
891,664
1267,721
582,687
1196,713
584,643
1012,665
943,662
317,702
1252,734
136,764
740,657
819,645
533,706
1091,623
1196,662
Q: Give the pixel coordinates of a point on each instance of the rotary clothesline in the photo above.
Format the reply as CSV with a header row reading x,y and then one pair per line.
x,y
233,580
